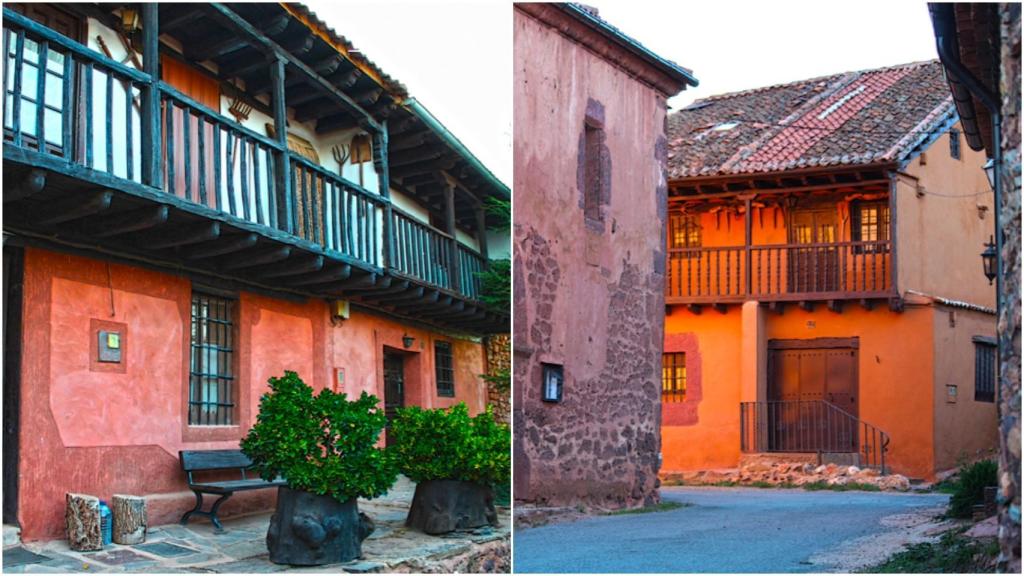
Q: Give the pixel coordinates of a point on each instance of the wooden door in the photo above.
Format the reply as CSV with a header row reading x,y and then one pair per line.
x,y
801,380
394,387
813,264
12,284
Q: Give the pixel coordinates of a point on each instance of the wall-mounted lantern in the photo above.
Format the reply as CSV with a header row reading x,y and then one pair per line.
x,y
988,260
130,23
552,376
407,340
990,172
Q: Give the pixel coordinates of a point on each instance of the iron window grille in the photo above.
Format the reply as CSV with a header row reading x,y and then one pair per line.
x,y
211,390
445,369
954,144
984,369
673,377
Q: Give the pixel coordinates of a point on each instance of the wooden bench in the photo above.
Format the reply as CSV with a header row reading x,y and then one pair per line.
x,y
218,460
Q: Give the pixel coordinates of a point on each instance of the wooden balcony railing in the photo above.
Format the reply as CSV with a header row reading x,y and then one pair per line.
x,y
779,272
67,101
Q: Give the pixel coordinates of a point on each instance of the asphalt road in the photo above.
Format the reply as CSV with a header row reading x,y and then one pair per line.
x,y
724,530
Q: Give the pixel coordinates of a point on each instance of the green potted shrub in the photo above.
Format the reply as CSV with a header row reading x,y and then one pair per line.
x,y
455,460
325,447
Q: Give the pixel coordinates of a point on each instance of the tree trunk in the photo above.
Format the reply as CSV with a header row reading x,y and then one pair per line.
x,y
83,522
129,519
311,530
441,506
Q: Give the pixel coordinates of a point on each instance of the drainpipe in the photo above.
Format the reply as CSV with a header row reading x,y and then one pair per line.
x,y
991,101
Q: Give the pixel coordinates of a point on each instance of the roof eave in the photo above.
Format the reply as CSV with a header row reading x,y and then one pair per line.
x,y
667,67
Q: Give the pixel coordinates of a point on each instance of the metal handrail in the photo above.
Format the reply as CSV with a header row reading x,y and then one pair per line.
x,y
810,426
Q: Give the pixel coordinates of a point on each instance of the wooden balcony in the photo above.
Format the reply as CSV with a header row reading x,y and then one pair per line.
x,y
104,157
780,273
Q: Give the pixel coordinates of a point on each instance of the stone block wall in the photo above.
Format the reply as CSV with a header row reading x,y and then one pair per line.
x,y
499,358
1009,317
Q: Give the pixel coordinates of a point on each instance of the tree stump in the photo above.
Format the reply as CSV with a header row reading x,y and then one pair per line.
x,y
129,519
82,518
311,530
441,506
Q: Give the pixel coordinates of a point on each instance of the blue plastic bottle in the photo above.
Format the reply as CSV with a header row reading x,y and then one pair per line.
x,y
106,524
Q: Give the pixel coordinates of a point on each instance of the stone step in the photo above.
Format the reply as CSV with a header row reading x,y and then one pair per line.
x,y
12,536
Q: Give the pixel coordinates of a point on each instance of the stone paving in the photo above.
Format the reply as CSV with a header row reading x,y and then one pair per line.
x,y
242,548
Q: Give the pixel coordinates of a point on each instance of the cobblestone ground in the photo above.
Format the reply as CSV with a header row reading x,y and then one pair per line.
x,y
242,548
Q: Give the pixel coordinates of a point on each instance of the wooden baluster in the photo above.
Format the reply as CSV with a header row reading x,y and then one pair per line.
x,y
108,120
350,248
186,138
229,151
169,119
257,189
272,209
88,112
217,196
19,65
201,157
44,48
129,154
243,173
67,112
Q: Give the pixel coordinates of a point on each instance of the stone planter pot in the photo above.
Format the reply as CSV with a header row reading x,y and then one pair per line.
x,y
311,530
441,506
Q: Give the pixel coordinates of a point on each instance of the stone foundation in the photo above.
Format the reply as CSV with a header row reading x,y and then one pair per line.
x,y
788,472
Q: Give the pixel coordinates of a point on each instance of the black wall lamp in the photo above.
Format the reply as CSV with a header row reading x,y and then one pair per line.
x,y
988,259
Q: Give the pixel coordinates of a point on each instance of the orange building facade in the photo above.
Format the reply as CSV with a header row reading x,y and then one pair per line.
x,y
825,292
184,220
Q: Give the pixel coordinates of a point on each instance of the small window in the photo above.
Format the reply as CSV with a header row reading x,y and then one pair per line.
x,y
592,172
212,391
954,144
673,377
552,379
870,224
444,368
684,232
361,150
984,369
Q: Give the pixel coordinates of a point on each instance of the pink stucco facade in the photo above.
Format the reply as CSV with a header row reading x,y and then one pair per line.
x,y
589,277
91,429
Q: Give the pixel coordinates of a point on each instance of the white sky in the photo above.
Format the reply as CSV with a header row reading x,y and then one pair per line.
x,y
733,45
455,57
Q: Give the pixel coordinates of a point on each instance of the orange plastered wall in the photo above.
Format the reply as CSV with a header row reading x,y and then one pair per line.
x,y
895,372
940,228
712,343
107,429
895,379
964,427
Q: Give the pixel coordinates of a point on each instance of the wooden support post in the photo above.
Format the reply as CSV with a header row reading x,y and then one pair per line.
x,y
449,225
282,159
82,518
381,165
481,230
152,161
129,519
747,253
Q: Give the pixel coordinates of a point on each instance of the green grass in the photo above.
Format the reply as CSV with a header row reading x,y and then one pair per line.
x,y
822,485
953,553
660,507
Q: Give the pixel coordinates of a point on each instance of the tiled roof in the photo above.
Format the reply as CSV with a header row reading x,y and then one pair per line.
x,y
864,117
